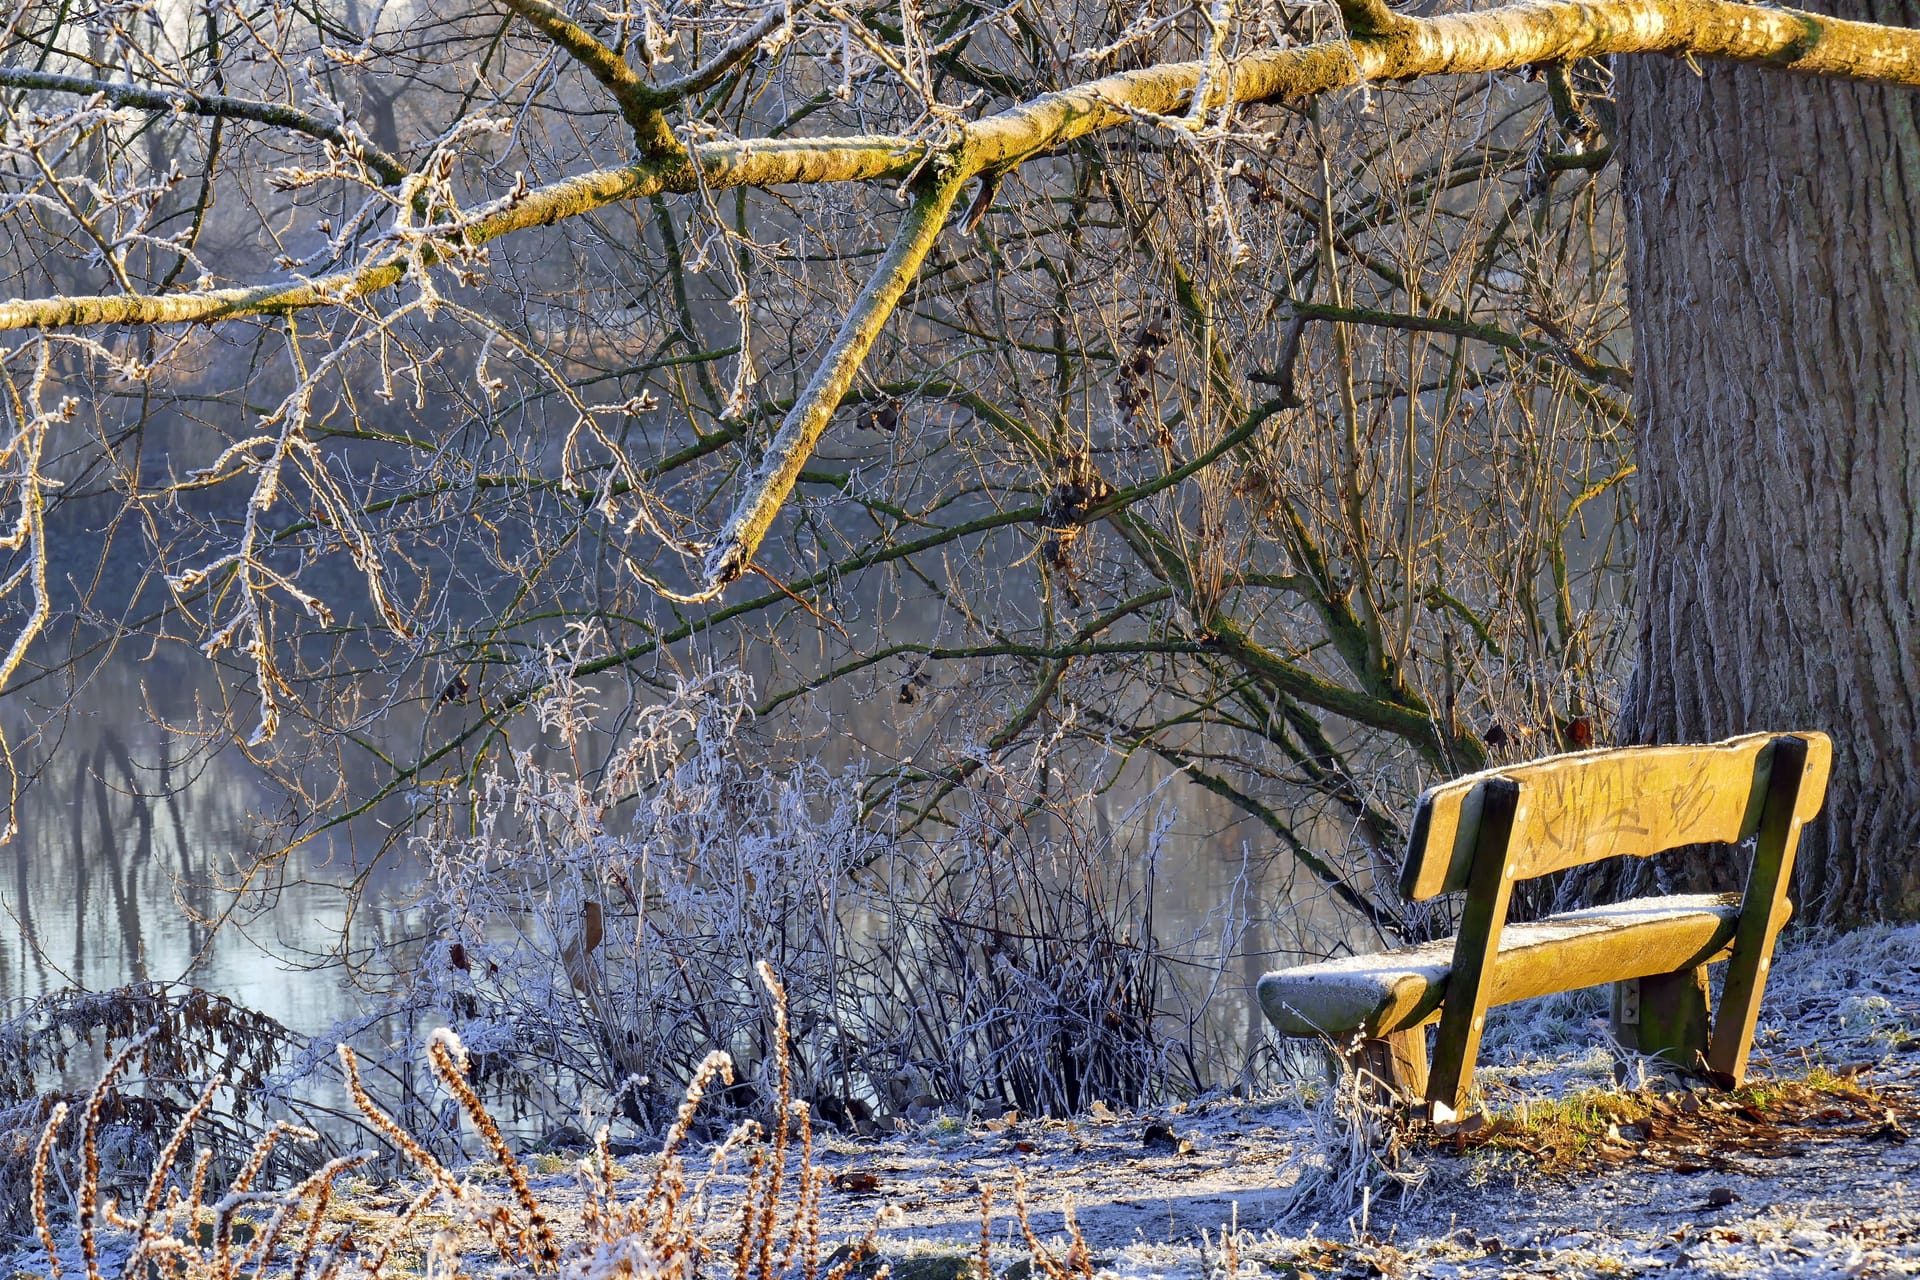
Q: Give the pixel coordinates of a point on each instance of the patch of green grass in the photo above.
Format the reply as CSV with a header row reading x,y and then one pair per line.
x,y
1560,1133
1586,1128
1824,1078
944,1129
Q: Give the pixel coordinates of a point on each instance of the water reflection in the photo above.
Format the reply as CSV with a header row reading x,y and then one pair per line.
x,y
132,861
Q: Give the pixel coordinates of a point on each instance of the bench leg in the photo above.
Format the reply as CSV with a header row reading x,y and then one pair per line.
x,y
1397,1063
1664,1016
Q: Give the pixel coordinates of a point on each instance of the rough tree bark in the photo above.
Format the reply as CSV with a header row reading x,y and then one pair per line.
x,y
1774,231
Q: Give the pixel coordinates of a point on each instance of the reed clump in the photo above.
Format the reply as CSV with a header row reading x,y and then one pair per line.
x,y
672,1231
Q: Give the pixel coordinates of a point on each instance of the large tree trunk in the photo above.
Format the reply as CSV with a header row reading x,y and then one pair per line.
x,y
1774,229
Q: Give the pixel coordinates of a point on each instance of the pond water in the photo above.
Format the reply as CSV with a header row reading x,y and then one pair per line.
x,y
132,862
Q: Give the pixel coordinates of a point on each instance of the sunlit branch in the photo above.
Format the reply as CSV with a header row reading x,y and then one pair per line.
x,y
1508,38
808,418
1379,46
727,164
1370,18
640,102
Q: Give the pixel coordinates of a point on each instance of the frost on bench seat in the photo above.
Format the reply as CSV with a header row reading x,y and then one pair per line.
x,y
1392,990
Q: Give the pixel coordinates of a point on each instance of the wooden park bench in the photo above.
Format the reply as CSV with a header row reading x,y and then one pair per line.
x,y
1486,832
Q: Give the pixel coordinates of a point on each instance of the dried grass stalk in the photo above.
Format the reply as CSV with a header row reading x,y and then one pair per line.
x,y
449,1059
40,1153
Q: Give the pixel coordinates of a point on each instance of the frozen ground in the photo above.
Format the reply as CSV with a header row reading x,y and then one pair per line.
x,y
1801,1181
1823,1184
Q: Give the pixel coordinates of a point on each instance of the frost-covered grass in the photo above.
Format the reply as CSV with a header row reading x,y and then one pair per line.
x,y
1576,1178
514,1213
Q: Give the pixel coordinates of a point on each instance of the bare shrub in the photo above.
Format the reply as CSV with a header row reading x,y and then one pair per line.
x,y
177,1229
595,925
1030,963
167,1039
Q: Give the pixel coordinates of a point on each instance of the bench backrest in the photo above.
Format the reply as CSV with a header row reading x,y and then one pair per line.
x,y
1580,808
1486,832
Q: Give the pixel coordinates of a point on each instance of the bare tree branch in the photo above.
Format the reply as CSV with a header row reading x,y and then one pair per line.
x,y
216,105
1383,46
1512,37
808,418
1371,18
714,69
640,102
1509,38
727,164
1560,351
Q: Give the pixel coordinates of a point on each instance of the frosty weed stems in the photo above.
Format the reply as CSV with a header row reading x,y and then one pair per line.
x,y
305,1232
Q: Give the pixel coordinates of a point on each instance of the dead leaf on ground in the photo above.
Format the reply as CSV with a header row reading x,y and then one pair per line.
x,y
1689,1132
1889,1130
1159,1136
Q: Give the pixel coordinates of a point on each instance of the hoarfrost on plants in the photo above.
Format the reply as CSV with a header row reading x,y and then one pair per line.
x,y
594,909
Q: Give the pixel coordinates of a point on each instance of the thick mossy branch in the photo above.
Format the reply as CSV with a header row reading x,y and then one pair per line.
x,y
1509,38
1365,18
728,164
1380,46
640,103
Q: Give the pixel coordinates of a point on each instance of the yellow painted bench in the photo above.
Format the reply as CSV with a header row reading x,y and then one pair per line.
x,y
1486,832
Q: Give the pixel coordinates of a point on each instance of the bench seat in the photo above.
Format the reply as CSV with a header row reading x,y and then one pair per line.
x,y
1376,995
